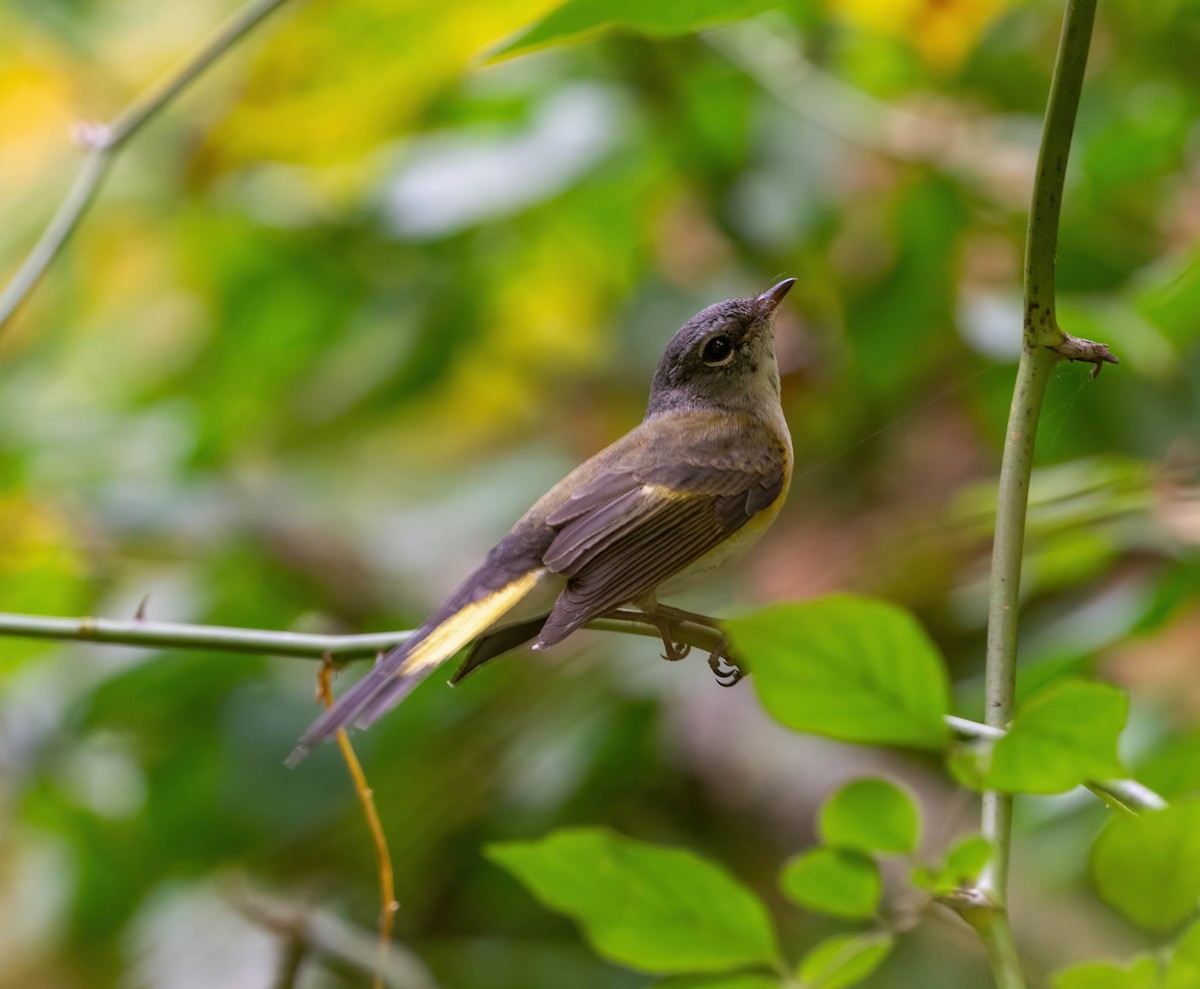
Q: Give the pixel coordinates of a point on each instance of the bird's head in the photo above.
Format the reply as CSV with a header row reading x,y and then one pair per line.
x,y
723,357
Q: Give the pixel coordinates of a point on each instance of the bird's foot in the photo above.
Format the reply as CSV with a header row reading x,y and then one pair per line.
x,y
724,669
727,670
673,651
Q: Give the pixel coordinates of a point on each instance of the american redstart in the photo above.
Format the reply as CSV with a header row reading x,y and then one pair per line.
x,y
694,484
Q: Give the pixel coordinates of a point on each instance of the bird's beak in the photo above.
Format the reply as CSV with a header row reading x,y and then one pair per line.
x,y
769,301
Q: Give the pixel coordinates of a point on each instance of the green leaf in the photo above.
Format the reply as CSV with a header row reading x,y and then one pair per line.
x,y
969,761
834,881
577,19
661,910
845,960
870,815
1141,974
726,980
1148,867
1184,971
965,860
1062,736
963,864
847,667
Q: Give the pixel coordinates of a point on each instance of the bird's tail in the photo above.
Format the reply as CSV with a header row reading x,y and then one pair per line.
x,y
471,611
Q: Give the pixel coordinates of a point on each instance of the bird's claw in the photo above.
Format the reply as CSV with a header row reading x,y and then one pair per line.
x,y
675,651
727,675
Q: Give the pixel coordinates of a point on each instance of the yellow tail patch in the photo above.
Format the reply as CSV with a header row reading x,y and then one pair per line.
x,y
465,624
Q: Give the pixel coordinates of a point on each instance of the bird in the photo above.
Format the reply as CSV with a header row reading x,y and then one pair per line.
x,y
689,488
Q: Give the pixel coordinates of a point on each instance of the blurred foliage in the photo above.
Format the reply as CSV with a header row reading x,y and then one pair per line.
x,y
362,294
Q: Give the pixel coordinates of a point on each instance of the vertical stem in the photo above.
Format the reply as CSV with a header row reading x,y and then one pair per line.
x,y
1041,337
1002,951
1041,238
1005,589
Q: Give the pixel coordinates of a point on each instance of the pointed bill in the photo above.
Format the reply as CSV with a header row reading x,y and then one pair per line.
x,y
770,299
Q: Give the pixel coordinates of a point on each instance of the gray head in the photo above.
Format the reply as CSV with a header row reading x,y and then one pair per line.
x,y
723,357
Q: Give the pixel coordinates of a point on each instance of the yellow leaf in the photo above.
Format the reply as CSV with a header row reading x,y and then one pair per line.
x,y
943,32
342,77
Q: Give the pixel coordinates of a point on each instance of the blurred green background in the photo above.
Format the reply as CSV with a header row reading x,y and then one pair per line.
x,y
361,295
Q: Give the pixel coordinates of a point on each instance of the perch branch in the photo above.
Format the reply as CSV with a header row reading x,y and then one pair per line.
x,y
343,648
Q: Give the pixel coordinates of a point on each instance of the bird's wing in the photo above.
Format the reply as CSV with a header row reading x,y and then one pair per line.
x,y
625,533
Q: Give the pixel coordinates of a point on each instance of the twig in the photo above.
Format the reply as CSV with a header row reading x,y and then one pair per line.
x,y
140,632
1038,356
387,888
343,648
103,141
291,960
1126,795
332,937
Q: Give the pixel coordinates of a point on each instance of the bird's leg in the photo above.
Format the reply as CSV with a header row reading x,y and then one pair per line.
x,y
724,667
665,623
679,615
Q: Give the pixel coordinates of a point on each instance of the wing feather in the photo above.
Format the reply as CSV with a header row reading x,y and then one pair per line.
x,y
627,546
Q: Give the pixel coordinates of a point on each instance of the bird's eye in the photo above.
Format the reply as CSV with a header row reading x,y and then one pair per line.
x,y
718,350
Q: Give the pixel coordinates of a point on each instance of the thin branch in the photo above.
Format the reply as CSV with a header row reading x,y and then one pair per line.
x,y
292,954
327,935
169,635
103,141
1038,357
383,857
1129,796
343,648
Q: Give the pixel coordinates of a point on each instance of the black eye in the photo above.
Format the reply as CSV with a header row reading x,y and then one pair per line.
x,y
717,350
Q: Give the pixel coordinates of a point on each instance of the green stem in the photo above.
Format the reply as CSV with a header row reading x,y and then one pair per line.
x,y
1041,238
1005,588
1044,344
994,930
103,141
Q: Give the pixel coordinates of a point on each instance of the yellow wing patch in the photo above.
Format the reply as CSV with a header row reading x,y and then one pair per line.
x,y
466,624
663,492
